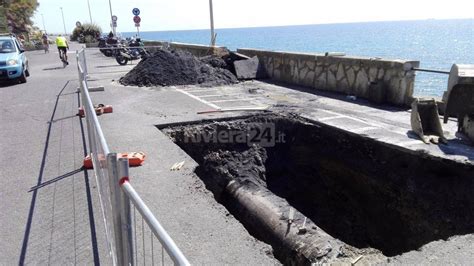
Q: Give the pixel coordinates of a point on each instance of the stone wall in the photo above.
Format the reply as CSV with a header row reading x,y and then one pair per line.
x,y
393,79
195,49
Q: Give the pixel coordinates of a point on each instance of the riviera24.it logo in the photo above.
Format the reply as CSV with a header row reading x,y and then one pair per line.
x,y
263,134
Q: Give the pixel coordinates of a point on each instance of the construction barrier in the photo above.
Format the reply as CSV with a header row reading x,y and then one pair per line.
x,y
116,193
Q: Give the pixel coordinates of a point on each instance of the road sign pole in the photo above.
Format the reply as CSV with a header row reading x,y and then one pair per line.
x,y
44,27
90,14
211,12
111,19
64,23
137,19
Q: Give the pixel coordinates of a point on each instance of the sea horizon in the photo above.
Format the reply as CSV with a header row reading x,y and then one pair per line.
x,y
298,25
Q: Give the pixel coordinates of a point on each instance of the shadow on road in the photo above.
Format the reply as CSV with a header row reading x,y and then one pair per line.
x,y
51,181
8,83
39,244
62,118
53,68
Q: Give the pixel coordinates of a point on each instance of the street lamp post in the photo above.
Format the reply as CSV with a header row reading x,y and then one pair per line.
x,y
211,12
42,18
111,19
90,14
64,23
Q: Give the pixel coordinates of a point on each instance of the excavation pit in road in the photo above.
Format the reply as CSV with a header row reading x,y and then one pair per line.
x,y
363,193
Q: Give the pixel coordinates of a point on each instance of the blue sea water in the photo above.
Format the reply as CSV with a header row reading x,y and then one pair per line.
x,y
436,44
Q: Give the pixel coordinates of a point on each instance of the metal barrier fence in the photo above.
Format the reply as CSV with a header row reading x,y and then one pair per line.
x,y
117,196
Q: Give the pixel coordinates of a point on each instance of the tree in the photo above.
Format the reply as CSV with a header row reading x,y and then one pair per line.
x,y
19,14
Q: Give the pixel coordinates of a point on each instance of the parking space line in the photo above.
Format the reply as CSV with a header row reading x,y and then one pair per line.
x,y
221,95
411,142
330,118
199,99
363,129
199,90
233,100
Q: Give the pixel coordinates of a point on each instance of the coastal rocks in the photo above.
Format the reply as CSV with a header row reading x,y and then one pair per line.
x,y
168,68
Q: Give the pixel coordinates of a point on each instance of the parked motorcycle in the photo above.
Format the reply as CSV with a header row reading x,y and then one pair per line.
x,y
107,46
133,51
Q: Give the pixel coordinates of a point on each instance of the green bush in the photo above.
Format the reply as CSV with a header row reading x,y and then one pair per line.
x,y
86,33
90,39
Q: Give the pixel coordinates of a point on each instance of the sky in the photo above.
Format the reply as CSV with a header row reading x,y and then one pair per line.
x,y
160,15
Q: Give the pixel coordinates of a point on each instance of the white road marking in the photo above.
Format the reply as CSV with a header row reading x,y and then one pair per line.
x,y
199,99
249,107
363,129
411,142
330,118
221,95
350,117
199,90
372,124
233,100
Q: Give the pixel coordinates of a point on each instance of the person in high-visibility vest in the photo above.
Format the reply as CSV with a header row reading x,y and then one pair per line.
x,y
63,46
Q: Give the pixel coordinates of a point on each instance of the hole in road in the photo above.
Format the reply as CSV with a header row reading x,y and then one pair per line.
x,y
360,191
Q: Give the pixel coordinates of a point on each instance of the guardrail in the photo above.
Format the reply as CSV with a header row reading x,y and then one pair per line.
x,y
117,195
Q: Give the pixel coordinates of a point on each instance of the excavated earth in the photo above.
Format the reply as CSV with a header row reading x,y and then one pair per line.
x,y
358,196
176,67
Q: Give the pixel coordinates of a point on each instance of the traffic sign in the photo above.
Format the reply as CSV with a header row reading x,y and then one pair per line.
x,y
137,25
136,11
114,24
78,24
137,19
114,18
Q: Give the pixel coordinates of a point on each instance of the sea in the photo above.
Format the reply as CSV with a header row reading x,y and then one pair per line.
x,y
437,44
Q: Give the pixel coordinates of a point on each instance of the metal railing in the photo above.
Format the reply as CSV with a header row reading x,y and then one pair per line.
x,y
117,196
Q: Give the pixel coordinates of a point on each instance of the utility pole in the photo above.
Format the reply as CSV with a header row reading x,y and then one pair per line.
x,y
89,6
213,36
42,18
64,23
111,20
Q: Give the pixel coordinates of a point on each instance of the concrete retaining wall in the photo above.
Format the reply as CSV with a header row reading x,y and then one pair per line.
x,y
92,45
195,49
343,74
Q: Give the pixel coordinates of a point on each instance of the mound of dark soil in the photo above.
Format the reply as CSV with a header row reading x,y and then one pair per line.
x,y
214,61
167,68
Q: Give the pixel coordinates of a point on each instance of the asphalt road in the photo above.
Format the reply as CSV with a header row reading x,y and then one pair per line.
x,y
49,207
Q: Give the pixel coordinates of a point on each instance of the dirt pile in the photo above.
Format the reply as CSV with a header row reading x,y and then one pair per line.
x,y
168,68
